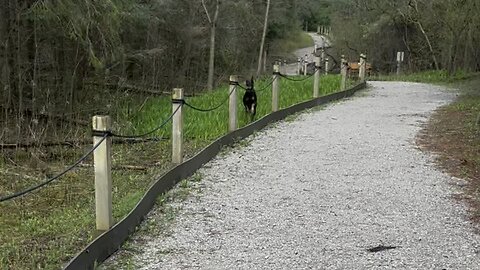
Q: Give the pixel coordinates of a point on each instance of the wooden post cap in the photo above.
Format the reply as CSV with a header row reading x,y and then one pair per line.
x,y
101,122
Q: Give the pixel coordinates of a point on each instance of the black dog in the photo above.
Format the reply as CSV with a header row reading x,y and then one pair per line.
x,y
250,99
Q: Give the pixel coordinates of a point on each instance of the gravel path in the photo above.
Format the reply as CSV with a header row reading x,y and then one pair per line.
x,y
318,192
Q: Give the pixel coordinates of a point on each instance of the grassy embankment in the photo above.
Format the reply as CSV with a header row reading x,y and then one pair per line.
x,y
431,76
296,40
44,229
453,131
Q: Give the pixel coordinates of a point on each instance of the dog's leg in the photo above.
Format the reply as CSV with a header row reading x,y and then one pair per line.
x,y
252,111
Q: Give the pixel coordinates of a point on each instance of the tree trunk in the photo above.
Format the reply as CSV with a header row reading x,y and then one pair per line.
x,y
213,26
434,58
427,39
262,42
468,46
34,83
211,61
18,70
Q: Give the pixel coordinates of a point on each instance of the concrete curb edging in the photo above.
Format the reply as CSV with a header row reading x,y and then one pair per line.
x,y
110,241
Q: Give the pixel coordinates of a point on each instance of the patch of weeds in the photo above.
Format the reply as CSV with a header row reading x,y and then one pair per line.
x,y
291,118
452,135
181,192
224,151
237,144
319,108
242,143
168,215
127,263
197,177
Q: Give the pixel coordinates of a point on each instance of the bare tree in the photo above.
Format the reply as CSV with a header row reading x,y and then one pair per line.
x,y
262,43
213,26
414,5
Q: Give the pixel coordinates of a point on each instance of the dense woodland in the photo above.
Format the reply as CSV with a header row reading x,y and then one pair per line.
x,y
434,34
62,61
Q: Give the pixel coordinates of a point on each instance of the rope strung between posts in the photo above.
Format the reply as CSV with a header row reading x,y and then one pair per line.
x,y
242,87
151,131
214,108
71,167
300,80
267,86
261,89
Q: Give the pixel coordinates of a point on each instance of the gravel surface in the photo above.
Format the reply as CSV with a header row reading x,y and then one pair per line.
x,y
320,191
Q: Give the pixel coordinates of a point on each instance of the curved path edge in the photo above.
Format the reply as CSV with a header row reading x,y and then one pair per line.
x,y
110,241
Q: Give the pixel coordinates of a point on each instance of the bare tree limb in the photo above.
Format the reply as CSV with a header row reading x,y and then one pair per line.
x,y
262,43
206,12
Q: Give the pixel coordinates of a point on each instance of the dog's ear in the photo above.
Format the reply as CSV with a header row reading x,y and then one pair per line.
x,y
249,83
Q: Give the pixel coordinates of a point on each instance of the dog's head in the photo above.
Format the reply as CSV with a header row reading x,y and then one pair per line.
x,y
249,84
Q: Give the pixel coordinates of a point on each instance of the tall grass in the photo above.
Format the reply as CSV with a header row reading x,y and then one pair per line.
x,y
210,125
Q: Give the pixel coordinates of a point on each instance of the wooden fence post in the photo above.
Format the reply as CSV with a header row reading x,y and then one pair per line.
x,y
232,104
102,159
299,66
305,67
344,66
363,67
400,57
177,126
316,82
275,87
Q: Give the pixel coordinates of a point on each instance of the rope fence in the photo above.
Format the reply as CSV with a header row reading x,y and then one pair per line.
x,y
163,124
211,109
300,80
48,181
103,135
261,89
